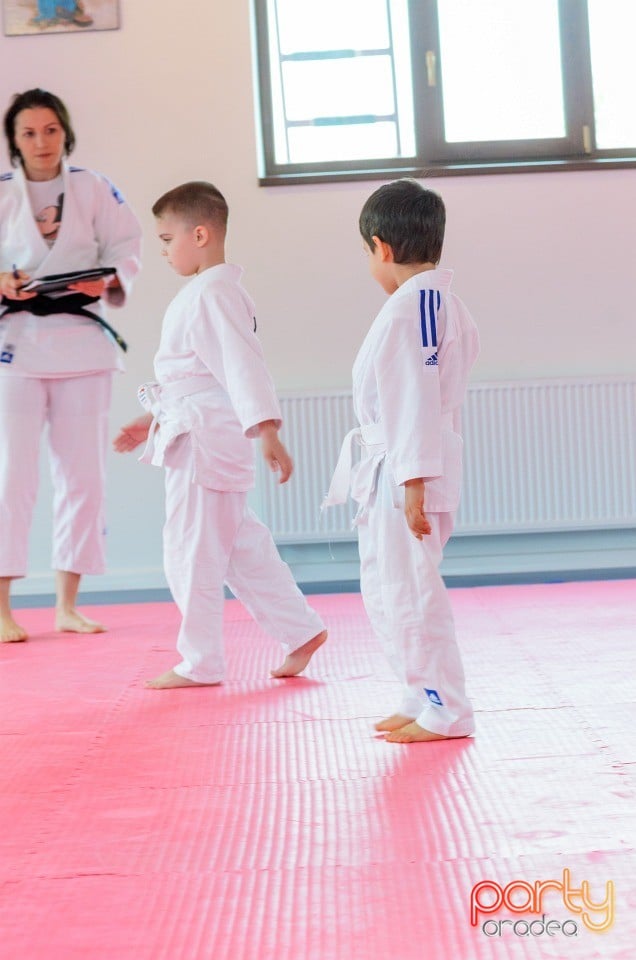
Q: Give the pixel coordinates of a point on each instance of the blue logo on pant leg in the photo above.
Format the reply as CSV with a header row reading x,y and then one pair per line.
x,y
434,697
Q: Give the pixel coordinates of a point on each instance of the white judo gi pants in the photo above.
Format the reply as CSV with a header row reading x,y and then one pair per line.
x,y
76,412
212,538
409,609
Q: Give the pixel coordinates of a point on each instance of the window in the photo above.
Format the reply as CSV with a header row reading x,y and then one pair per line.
x,y
356,88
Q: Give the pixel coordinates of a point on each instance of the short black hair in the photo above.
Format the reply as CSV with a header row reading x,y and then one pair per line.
x,y
409,218
196,202
27,101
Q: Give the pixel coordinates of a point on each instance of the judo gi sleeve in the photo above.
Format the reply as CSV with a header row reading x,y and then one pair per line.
x,y
118,234
226,343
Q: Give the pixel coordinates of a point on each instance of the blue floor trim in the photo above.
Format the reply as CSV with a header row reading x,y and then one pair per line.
x,y
159,595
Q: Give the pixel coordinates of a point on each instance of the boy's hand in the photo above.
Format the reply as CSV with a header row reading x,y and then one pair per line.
x,y
414,508
274,453
134,433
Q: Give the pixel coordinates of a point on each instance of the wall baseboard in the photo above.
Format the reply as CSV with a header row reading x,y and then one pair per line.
x,y
486,559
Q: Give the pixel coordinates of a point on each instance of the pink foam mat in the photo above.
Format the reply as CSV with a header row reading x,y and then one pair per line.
x,y
265,819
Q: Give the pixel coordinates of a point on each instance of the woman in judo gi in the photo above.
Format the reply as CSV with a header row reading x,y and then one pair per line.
x,y
56,363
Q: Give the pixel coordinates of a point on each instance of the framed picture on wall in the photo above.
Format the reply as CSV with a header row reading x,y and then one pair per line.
x,y
22,17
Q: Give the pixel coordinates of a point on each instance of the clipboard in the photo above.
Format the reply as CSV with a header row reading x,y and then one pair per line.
x,y
61,281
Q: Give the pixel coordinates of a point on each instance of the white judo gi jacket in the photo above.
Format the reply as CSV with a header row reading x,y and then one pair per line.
x,y
212,381
409,381
98,228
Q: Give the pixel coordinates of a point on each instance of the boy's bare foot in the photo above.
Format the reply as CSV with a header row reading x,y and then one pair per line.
x,y
70,621
413,733
10,631
395,722
296,661
171,680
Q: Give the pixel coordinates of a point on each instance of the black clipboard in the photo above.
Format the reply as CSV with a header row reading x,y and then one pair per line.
x,y
62,281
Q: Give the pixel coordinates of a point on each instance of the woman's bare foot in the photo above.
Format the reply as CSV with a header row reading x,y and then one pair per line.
x,y
413,733
296,661
395,722
71,621
171,680
11,632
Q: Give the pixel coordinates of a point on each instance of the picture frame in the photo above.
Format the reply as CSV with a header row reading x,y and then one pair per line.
x,y
34,17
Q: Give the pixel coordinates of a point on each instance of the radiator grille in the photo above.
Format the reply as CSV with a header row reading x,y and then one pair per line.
x,y
539,455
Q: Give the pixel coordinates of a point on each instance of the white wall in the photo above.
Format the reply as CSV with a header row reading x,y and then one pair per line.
x,y
546,261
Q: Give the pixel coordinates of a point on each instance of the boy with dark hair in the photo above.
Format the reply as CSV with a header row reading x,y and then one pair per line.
x,y
409,381
213,395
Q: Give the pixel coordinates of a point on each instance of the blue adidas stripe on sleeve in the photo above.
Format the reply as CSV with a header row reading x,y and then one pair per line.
x,y
430,302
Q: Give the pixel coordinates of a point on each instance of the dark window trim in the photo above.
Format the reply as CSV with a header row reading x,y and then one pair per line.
x,y
448,170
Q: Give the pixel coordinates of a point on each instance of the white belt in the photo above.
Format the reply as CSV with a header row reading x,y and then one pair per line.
x,y
155,397
370,436
177,389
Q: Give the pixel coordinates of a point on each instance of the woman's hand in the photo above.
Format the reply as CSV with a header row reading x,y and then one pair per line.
x,y
11,284
90,288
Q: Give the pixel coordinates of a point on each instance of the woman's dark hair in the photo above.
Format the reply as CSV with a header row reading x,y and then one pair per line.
x,y
27,101
409,218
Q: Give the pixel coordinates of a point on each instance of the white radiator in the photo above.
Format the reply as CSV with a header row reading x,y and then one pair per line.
x,y
539,455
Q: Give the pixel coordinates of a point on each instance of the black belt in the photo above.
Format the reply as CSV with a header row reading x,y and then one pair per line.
x,y
75,303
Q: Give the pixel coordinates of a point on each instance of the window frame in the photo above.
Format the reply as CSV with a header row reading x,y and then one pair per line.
x,y
270,170
434,155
